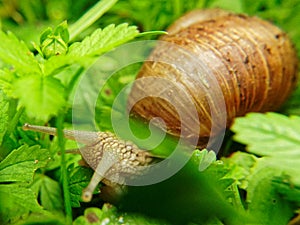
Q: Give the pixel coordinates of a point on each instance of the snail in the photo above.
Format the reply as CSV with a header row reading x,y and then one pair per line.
x,y
253,62
110,157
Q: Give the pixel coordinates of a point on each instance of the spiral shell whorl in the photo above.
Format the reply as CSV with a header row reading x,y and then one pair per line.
x,y
253,61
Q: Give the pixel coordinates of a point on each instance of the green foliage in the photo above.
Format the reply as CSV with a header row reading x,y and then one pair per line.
x,y
37,82
270,134
49,192
54,42
79,179
109,215
276,139
104,40
16,172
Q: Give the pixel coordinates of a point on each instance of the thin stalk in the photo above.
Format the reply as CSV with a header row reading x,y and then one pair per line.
x,y
90,17
64,174
14,121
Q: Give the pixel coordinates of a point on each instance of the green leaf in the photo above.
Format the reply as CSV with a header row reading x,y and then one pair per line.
x,y
62,31
287,189
264,201
206,158
20,164
240,165
4,118
49,192
79,179
104,40
16,201
255,176
269,134
110,216
274,136
189,196
59,63
53,43
16,54
42,96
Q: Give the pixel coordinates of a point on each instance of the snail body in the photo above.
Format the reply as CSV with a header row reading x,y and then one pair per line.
x,y
253,62
112,159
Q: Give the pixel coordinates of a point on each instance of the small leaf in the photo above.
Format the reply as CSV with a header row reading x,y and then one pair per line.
x,y
16,54
49,191
103,40
16,201
274,136
20,164
48,31
53,43
62,31
205,159
42,96
270,134
240,164
79,179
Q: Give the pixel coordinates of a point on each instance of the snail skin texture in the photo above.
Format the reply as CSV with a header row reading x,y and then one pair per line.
x,y
253,62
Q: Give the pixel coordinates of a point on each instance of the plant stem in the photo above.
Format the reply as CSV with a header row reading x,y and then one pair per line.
x,y
90,17
14,122
64,175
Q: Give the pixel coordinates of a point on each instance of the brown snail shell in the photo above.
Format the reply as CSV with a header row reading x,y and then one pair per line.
x,y
253,61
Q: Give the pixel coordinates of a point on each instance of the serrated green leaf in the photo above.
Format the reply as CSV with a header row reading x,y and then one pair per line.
x,y
16,54
240,165
274,136
20,164
269,134
49,192
42,96
16,201
103,40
